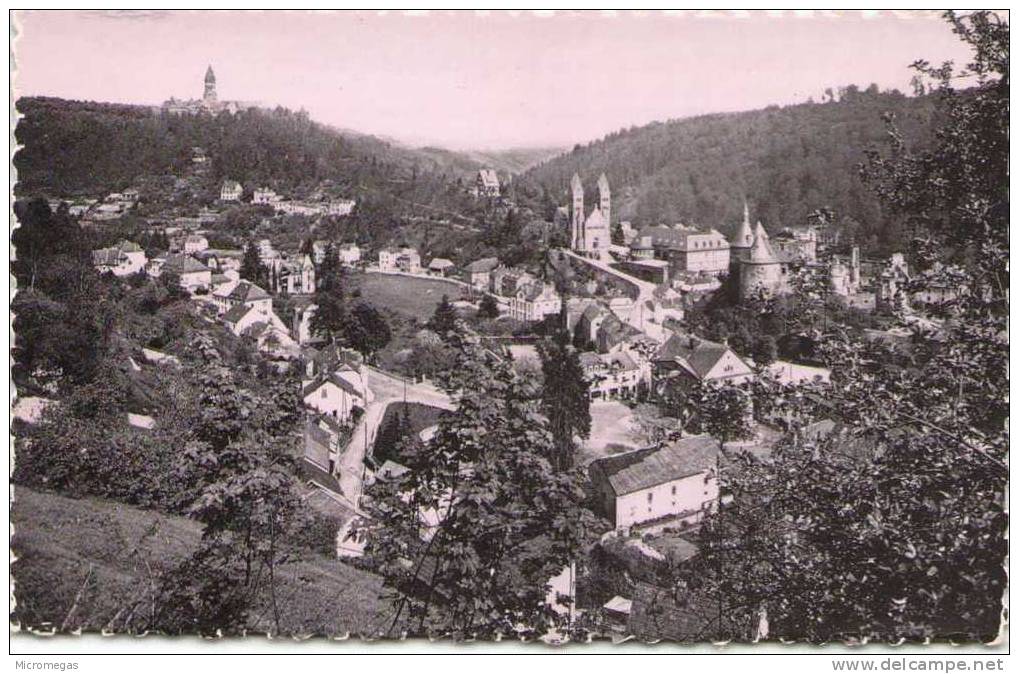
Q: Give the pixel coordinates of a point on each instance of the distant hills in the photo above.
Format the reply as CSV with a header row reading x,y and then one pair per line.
x,y
514,160
787,162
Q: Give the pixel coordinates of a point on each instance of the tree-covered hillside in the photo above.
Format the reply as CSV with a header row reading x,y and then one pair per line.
x,y
788,162
75,147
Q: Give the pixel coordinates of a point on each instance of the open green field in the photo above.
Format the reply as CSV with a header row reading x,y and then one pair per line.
x,y
408,295
83,563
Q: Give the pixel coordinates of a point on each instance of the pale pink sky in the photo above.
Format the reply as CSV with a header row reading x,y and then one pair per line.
x,y
468,80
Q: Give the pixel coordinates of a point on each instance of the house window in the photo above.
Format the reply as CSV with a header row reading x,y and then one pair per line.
x,y
673,490
323,394
650,497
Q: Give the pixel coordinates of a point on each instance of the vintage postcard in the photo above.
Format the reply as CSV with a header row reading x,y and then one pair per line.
x,y
553,328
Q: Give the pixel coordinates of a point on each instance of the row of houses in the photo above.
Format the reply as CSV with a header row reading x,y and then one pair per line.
x,y
232,191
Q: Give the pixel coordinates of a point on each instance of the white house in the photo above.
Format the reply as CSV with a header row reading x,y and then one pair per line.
x,y
340,207
535,301
612,375
404,259
337,393
193,274
266,252
675,481
243,317
124,259
291,276
245,293
478,273
440,266
264,195
349,253
195,243
486,184
690,357
231,191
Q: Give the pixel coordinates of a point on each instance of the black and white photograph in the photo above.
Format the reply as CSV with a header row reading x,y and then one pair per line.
x,y
544,331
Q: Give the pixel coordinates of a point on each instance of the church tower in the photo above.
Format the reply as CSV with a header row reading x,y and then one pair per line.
x,y
577,214
210,86
605,200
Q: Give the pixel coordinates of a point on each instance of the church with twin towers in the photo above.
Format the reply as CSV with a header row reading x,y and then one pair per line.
x,y
590,233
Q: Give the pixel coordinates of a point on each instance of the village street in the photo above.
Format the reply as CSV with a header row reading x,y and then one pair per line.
x,y
387,389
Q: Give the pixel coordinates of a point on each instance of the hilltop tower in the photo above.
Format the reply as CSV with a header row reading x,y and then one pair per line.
x,y
605,200
743,241
210,86
577,214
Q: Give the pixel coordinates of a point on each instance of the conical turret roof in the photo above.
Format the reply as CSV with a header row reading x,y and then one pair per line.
x,y
744,237
760,252
209,75
759,231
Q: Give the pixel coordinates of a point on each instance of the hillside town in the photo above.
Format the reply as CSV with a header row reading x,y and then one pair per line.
x,y
400,380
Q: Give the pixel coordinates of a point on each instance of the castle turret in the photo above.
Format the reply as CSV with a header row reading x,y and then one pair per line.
x,y
761,270
744,237
210,86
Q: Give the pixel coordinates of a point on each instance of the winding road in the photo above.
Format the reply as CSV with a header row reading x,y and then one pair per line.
x,y
387,389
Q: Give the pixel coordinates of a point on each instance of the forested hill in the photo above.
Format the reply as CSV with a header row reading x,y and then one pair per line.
x,y
787,162
75,147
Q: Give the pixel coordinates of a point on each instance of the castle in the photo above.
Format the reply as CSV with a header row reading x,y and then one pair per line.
x,y
762,270
590,235
208,103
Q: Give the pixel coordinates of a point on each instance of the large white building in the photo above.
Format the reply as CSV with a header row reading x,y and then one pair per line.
x,y
686,249
124,259
534,301
676,481
231,191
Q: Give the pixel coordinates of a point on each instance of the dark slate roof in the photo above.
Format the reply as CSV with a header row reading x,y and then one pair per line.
x,y
699,355
339,382
614,331
673,238
182,264
236,313
245,291
642,468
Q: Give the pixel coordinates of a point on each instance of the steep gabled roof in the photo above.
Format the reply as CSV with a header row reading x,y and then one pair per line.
x,y
246,291
236,313
697,355
182,264
333,379
642,468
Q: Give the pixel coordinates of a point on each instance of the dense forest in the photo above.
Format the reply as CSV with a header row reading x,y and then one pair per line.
x,y
75,147
787,162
